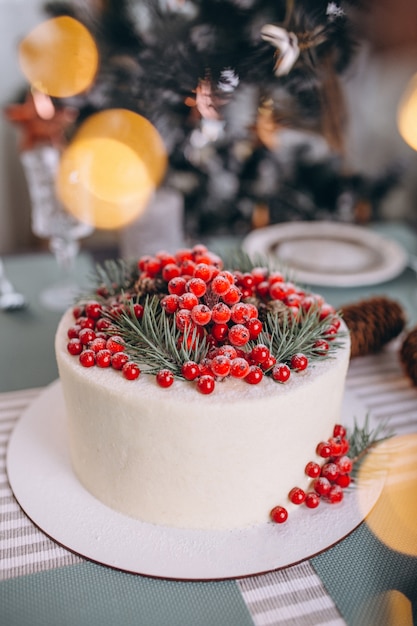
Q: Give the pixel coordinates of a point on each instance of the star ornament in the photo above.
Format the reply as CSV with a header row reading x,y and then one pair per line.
x,y
40,121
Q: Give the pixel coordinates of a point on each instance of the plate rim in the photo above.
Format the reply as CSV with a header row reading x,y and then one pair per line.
x,y
161,548
394,255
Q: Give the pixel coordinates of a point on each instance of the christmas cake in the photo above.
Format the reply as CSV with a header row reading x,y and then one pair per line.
x,y
204,397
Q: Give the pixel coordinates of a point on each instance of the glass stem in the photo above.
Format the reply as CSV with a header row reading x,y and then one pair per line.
x,y
65,252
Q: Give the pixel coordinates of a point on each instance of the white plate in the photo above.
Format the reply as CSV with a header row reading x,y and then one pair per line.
x,y
46,488
329,254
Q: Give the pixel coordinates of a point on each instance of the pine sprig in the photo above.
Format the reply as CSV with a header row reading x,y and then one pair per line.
x,y
155,341
363,438
115,275
286,337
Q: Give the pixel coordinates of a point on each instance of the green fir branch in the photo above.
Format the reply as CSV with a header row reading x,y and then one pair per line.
x,y
286,336
155,341
115,275
363,438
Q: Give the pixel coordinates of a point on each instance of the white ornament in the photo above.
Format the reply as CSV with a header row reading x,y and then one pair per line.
x,y
286,45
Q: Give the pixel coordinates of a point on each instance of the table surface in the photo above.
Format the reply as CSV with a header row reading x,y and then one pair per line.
x,y
365,579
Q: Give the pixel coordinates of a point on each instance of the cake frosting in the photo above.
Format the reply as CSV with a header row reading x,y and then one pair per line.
x,y
176,457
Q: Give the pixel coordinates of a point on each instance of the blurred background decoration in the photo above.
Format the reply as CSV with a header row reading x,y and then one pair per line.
x,y
268,111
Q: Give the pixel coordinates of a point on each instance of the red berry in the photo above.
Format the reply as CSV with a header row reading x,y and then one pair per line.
x,y
324,449
330,471
325,311
298,362
203,271
187,268
255,327
260,353
183,319
183,254
275,277
321,347
220,285
297,495
312,500
165,378
238,335
78,311
220,365
276,291
240,313
201,314
197,286
254,376
177,286
73,331
206,384
118,359
281,372
190,370
335,494
258,274
93,309
345,465
339,431
170,303
86,322
115,344
86,336
336,446
279,514
103,324
232,296
220,331
262,289
312,469
152,266
99,343
343,480
130,370
247,280
269,363
170,270
239,367
220,313
88,358
227,350
138,311
165,258
103,358
188,301
322,486
74,346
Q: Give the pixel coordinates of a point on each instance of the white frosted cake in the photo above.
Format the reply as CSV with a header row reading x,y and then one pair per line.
x,y
222,450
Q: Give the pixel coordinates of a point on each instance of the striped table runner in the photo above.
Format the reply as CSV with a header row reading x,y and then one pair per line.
x,y
295,595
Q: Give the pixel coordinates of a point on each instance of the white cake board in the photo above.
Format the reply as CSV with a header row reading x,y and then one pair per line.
x,y
46,488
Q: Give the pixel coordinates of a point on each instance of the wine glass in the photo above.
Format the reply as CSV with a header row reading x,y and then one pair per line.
x,y
50,220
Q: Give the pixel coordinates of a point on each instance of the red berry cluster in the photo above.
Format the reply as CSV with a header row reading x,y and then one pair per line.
x,y
92,339
328,480
207,303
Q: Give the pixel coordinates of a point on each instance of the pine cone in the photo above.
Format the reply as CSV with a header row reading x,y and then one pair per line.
x,y
408,355
373,323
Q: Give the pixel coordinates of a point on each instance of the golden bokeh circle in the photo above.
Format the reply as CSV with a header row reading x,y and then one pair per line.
x,y
407,114
111,168
394,518
59,57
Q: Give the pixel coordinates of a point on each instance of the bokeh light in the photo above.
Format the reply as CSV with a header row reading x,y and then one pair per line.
x,y
111,168
394,518
407,114
59,57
